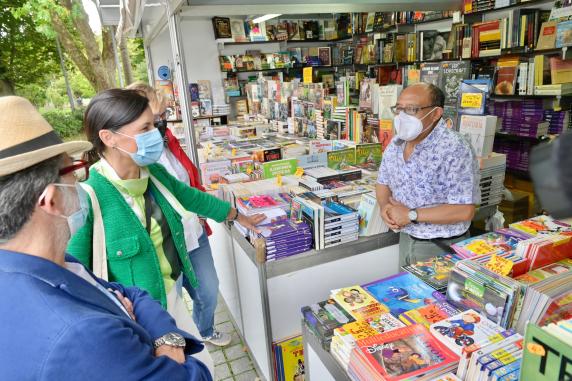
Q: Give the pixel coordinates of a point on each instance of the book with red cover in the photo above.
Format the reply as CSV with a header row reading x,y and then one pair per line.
x,y
403,353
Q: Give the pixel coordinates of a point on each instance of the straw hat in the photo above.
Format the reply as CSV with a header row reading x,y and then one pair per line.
x,y
26,138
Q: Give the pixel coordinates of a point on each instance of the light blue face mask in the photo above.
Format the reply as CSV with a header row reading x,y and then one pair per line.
x,y
77,219
150,146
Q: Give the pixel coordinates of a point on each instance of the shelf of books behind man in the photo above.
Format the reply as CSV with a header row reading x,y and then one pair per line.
x,y
500,307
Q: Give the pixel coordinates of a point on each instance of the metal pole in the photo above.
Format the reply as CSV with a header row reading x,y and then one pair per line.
x,y
116,56
65,73
148,59
180,74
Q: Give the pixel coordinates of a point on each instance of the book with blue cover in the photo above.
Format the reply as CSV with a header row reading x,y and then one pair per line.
x,y
402,292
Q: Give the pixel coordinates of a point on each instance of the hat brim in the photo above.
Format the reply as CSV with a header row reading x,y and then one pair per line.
x,y
17,163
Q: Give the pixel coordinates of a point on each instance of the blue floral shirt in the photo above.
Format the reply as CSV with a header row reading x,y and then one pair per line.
x,y
441,170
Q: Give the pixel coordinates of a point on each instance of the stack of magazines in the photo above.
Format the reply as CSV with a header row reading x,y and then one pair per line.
x,y
284,238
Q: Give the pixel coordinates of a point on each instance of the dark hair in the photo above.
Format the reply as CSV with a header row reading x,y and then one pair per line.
x,y
436,95
19,194
110,110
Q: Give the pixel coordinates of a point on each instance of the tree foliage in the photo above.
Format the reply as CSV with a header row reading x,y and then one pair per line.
x,y
27,56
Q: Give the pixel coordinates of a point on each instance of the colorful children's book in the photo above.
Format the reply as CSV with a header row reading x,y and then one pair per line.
x,y
402,292
352,298
385,322
291,354
488,243
541,225
342,159
368,156
465,329
428,315
326,316
404,353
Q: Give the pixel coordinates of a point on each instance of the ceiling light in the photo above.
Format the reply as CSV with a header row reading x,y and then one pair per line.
x,y
265,17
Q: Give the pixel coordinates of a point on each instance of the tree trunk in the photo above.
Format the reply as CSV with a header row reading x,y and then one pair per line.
x,y
6,88
126,60
107,54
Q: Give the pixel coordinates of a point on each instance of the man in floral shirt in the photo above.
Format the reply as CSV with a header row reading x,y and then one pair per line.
x,y
428,181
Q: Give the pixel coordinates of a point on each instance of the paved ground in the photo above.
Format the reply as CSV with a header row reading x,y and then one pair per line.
x,y
232,363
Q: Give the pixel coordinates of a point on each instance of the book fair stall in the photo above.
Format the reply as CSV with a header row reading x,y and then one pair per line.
x,y
290,115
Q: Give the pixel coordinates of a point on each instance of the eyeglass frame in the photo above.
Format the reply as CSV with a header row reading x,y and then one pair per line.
x,y
77,164
394,108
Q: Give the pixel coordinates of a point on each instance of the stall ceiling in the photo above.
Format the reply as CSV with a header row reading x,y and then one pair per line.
x,y
204,8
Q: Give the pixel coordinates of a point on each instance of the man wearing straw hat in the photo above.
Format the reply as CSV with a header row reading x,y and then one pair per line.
x,y
59,322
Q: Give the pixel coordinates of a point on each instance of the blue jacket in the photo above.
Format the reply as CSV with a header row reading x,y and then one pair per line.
x,y
56,326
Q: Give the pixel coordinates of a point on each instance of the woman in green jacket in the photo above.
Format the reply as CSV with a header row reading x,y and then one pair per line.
x,y
147,235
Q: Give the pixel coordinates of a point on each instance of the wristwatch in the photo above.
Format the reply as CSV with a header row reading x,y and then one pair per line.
x,y
173,339
412,215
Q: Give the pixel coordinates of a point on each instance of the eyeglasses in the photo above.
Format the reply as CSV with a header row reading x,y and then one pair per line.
x,y
409,110
79,168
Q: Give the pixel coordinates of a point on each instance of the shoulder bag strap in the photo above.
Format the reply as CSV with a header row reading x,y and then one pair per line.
x,y
99,254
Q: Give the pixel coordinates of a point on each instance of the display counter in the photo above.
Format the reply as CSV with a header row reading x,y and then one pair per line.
x,y
319,364
265,299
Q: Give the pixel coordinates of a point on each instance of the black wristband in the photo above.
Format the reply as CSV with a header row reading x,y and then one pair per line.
x,y
235,216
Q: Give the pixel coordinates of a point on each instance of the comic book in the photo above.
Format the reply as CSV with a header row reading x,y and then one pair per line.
x,y
435,271
352,299
464,329
429,314
402,292
291,355
404,353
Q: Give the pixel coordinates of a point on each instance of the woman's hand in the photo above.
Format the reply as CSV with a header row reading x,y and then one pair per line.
x,y
250,222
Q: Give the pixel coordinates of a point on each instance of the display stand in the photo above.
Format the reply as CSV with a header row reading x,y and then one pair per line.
x,y
265,299
319,364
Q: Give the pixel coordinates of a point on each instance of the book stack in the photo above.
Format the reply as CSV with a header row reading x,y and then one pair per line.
x,y
341,224
323,318
345,337
500,242
541,225
521,118
558,121
223,109
473,285
548,271
544,249
434,272
492,358
493,169
517,153
547,301
284,238
546,351
358,303
403,353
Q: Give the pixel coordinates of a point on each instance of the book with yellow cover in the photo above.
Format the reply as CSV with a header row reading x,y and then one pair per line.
x,y
547,35
353,298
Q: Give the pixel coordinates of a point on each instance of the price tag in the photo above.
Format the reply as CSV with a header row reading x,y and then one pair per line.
x,y
468,6
279,180
536,349
307,75
214,186
472,100
480,247
233,152
500,265
386,124
299,172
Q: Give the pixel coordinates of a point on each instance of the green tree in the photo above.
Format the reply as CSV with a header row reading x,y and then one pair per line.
x,y
27,56
68,21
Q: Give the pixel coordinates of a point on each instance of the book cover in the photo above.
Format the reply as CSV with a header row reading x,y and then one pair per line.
x,y
431,73
368,156
560,70
488,243
206,107
352,298
342,159
194,90
402,292
385,133
429,314
433,45
404,353
547,35
291,351
564,34
453,72
237,30
385,322
506,79
541,225
221,27
465,329
205,91
279,167
212,172
434,271
326,316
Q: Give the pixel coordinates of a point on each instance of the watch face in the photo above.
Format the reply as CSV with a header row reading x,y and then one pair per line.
x,y
175,339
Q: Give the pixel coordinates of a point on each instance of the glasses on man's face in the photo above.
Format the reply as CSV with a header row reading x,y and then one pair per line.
x,y
409,110
79,168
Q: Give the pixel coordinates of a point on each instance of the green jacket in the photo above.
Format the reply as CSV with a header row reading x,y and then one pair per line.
x,y
131,257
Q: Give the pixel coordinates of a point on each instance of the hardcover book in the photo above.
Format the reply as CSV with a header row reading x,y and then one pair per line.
x,y
221,27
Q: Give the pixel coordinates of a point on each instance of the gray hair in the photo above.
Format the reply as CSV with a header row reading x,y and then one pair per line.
x,y
19,194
